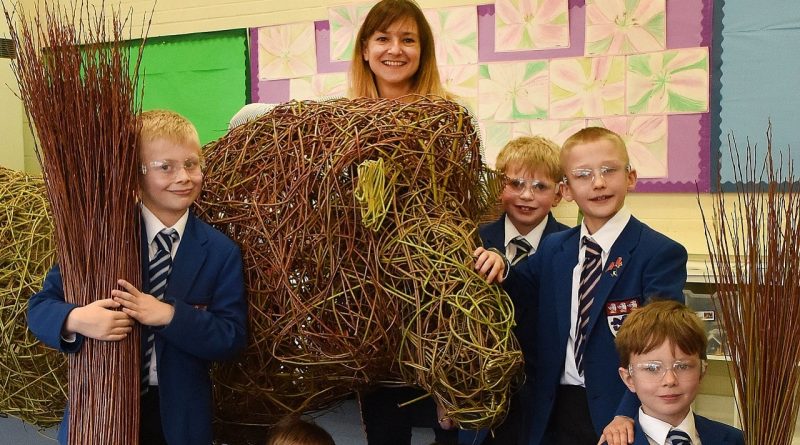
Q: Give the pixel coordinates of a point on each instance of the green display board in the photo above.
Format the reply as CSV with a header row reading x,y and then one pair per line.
x,y
202,76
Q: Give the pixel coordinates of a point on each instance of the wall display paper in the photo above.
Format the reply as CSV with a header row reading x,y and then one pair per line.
x,y
606,72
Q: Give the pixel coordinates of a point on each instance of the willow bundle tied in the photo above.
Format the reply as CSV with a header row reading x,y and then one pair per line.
x,y
74,78
753,241
357,223
32,376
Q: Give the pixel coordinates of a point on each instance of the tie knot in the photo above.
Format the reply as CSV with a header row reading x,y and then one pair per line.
x,y
678,437
592,248
522,244
165,238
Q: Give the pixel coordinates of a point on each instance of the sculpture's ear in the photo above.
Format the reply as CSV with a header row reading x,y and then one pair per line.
x,y
374,192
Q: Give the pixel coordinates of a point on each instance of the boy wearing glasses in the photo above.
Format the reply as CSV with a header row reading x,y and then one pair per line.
x,y
662,350
584,281
192,306
532,177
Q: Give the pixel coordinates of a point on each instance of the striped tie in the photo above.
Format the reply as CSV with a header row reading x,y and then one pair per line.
x,y
678,437
523,248
159,269
590,276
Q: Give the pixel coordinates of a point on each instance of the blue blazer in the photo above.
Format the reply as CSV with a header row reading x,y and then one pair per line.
x,y
652,265
710,431
206,287
493,234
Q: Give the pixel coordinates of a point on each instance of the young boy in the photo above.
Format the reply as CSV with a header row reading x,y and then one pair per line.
x,y
662,351
198,318
530,166
583,281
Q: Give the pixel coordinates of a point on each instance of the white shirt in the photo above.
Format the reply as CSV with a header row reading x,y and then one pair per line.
x,y
152,226
657,430
606,236
533,237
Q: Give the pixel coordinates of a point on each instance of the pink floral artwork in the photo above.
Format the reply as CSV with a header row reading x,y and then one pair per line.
x,y
556,130
319,86
494,135
286,51
455,33
522,25
646,139
673,81
625,26
462,82
587,87
345,22
513,91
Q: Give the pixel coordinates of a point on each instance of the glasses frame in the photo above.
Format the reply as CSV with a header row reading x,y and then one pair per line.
x,y
528,184
190,165
581,174
678,375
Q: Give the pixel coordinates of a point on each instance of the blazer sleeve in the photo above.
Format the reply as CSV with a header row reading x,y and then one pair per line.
x,y
665,274
217,332
48,311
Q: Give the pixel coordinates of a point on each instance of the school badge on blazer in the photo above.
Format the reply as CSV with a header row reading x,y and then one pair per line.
x,y
616,311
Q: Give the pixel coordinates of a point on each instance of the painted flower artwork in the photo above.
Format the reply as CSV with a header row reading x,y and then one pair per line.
x,y
286,51
511,91
674,81
318,87
625,26
587,87
556,130
495,135
461,81
455,33
344,22
646,139
531,24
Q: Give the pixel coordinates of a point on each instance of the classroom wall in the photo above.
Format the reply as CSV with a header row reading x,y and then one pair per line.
x,y
676,215
12,153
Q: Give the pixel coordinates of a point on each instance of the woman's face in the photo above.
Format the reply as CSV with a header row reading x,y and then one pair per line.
x,y
393,57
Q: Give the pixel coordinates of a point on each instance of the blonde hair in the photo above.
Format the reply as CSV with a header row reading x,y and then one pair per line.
x,y
531,153
594,134
426,80
646,328
295,431
165,124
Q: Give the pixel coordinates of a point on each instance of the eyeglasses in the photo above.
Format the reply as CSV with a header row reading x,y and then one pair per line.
x,y
518,185
654,371
588,175
170,168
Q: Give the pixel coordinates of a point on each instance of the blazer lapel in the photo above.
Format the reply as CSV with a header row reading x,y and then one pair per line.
x,y
568,258
189,258
622,248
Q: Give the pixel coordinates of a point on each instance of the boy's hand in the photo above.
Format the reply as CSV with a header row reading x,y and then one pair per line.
x,y
618,432
445,422
489,265
99,321
144,308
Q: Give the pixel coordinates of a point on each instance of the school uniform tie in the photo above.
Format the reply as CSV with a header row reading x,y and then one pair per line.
x,y
590,276
678,437
523,248
159,269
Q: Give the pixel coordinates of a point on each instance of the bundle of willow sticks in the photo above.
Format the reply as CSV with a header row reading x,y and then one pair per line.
x,y
357,221
75,81
33,376
753,235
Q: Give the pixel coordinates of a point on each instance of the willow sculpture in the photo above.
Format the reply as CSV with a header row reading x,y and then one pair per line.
x,y
32,375
357,223
753,239
73,71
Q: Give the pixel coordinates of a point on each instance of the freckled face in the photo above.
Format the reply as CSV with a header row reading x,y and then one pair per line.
x,y
169,195
527,208
393,56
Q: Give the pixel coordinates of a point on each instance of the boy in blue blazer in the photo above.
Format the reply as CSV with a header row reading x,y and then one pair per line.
x,y
532,174
662,351
584,281
198,318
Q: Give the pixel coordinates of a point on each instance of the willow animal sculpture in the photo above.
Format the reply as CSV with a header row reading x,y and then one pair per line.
x,y
752,237
357,223
33,376
75,81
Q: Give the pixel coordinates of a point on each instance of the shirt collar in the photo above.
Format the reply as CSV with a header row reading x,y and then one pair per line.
x,y
533,237
153,225
658,430
608,234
